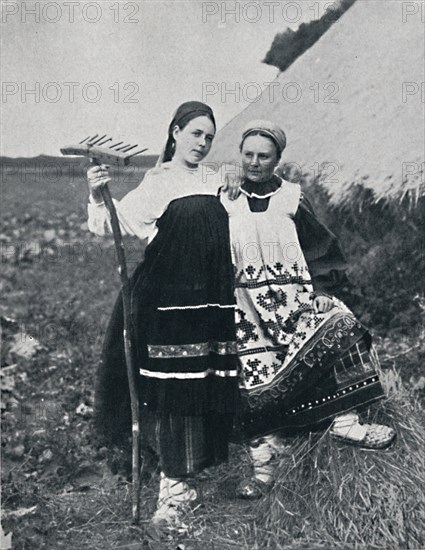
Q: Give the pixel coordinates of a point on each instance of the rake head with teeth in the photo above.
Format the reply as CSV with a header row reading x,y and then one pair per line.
x,y
94,148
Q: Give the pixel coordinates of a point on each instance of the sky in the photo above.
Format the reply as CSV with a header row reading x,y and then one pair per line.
x,y
74,68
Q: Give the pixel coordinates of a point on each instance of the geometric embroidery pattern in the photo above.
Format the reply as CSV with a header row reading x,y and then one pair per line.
x,y
267,319
251,277
272,299
253,372
274,317
245,330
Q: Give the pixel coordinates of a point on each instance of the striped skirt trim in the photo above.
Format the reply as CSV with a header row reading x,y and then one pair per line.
x,y
200,306
188,375
192,350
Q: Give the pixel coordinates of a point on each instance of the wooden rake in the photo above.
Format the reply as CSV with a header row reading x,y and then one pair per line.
x,y
119,154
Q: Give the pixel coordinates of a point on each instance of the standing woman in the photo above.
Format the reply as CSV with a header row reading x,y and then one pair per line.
x,y
305,358
182,306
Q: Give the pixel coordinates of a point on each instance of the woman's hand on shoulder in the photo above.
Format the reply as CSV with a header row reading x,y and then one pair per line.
x,y
322,303
232,177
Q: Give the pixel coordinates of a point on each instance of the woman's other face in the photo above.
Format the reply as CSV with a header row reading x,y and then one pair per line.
x,y
259,158
194,141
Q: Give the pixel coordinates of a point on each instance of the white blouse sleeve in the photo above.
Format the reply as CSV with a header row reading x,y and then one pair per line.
x,y
137,212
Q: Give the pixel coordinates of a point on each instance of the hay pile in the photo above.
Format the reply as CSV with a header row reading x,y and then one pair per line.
x,y
342,106
343,496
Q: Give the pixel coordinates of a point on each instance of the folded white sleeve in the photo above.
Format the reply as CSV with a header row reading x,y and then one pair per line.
x,y
137,212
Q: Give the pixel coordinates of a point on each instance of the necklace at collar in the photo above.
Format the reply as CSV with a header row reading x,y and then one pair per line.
x,y
261,190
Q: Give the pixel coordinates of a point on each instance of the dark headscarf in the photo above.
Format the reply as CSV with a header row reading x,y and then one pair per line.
x,y
184,114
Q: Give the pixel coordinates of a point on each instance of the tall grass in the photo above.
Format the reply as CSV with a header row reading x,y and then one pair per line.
x,y
383,243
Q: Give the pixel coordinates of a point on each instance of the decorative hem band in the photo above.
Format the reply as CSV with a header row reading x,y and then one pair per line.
x,y
188,375
192,350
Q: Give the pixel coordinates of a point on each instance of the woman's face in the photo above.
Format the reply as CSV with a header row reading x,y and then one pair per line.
x,y
259,158
194,141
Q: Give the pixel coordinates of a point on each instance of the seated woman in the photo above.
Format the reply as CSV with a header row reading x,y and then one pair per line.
x,y
305,359
182,302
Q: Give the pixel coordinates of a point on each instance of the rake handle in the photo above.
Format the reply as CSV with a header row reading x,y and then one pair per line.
x,y
134,399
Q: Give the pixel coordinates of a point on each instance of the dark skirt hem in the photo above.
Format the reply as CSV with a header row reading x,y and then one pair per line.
x,y
186,445
312,419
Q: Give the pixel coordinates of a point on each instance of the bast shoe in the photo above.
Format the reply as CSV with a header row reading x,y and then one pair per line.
x,y
374,436
175,500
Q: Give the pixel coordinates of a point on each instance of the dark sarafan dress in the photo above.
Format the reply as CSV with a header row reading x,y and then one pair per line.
x,y
182,304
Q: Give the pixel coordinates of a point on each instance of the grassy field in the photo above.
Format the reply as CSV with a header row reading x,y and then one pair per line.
x,y
61,490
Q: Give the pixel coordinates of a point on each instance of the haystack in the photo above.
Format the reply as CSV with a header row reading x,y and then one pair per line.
x,y
352,105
